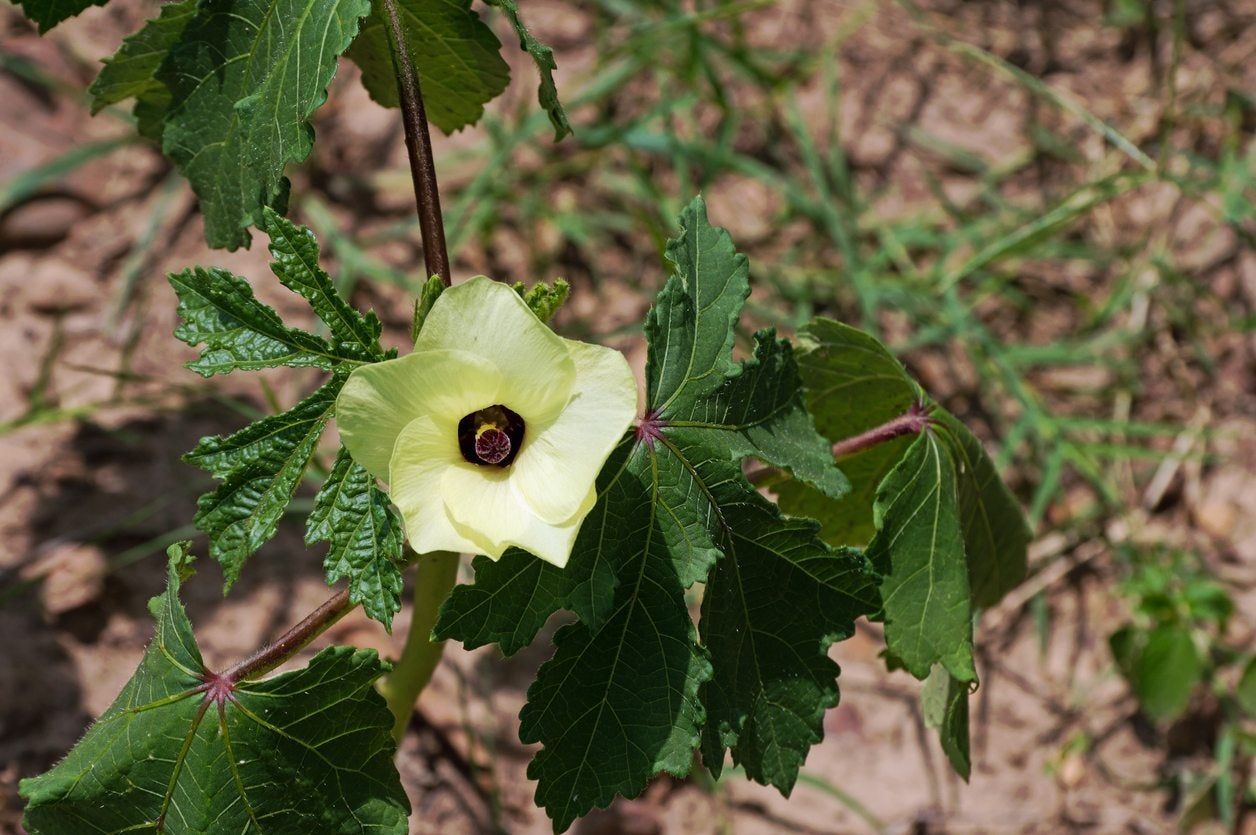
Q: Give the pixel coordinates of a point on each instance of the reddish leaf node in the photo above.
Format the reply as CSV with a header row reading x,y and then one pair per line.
x,y
219,688
650,428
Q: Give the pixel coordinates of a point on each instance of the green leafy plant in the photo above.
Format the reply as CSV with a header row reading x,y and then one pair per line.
x,y
674,510
181,750
889,508
1179,614
1175,654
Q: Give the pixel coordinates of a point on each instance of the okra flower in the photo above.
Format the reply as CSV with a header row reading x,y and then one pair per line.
x,y
492,432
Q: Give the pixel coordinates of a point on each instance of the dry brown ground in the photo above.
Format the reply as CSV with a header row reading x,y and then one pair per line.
x,y
81,488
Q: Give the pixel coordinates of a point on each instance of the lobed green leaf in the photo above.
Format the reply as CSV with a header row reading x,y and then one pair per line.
x,y
690,333
365,537
243,80
773,605
307,751
778,596
618,701
294,260
218,310
759,411
264,442
261,465
509,602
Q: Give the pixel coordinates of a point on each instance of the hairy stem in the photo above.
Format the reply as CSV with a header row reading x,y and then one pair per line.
x,y
435,577
419,147
912,422
293,641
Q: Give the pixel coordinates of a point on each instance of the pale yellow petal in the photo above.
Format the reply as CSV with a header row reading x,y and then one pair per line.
x,y
559,460
483,505
490,320
553,543
424,451
485,508
380,399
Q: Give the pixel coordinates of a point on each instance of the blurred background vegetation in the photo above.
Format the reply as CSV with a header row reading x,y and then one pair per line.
x,y
1047,208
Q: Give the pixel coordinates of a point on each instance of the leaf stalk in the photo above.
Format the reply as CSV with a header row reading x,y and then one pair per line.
x,y
294,640
911,422
283,648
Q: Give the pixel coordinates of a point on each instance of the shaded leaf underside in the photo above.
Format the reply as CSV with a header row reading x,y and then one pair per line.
x,y
942,528
920,553
456,55
852,384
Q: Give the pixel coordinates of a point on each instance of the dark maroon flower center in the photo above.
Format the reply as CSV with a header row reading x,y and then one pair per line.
x,y
491,436
492,445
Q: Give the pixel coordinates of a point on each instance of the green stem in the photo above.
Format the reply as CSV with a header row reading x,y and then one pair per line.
x,y
433,580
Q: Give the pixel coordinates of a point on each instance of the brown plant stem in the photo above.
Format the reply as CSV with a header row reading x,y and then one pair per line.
x,y
294,640
419,147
